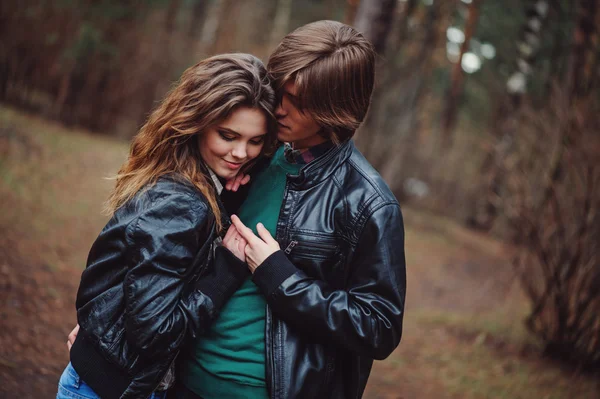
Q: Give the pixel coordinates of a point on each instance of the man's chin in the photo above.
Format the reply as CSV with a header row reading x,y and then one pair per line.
x,y
283,135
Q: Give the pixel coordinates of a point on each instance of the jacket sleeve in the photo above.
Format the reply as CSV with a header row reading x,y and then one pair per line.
x,y
366,317
162,305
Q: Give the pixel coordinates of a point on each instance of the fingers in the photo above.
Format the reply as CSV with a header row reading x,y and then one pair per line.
x,y
241,244
72,336
244,231
264,234
240,180
230,235
231,183
235,183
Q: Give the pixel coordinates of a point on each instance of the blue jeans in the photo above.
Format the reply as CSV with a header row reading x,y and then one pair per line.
x,y
71,386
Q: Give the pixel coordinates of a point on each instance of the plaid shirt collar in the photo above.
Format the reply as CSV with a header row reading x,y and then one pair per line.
x,y
216,181
308,155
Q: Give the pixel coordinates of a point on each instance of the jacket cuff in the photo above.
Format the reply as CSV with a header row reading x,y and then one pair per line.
x,y
227,275
269,275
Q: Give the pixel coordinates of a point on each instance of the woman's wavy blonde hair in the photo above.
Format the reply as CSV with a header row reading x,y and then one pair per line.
x,y
168,142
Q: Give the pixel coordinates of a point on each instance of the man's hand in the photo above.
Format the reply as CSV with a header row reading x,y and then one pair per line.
x,y
234,242
239,180
258,248
72,336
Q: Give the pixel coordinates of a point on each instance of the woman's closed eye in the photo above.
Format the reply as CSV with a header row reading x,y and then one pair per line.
x,y
226,135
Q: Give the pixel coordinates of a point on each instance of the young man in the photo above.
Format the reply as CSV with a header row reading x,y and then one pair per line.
x,y
333,277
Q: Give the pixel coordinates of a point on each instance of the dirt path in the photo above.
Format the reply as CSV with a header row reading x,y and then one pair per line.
x,y
36,313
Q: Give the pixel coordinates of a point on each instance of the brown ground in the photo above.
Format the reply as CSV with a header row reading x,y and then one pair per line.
x,y
463,334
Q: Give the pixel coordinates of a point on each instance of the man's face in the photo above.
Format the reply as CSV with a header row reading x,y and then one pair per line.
x,y
295,126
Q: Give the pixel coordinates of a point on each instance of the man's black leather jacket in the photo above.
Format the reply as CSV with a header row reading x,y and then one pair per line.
x,y
336,290
146,287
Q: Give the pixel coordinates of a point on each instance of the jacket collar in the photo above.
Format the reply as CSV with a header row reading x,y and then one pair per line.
x,y
322,167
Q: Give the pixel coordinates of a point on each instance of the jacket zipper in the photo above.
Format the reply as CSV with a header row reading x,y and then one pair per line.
x,y
312,245
289,248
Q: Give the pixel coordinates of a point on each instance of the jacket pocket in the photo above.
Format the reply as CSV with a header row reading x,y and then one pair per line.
x,y
312,247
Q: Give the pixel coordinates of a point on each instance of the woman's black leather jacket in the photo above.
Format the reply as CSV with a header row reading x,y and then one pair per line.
x,y
146,288
336,290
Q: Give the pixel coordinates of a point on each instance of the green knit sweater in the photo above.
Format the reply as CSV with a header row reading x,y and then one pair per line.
x,y
229,362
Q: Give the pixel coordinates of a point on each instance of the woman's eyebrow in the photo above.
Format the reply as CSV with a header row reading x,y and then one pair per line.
x,y
228,130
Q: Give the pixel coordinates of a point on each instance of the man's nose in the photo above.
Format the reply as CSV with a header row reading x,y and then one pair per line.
x,y
280,112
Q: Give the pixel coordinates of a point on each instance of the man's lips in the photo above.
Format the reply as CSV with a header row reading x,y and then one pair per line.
x,y
282,125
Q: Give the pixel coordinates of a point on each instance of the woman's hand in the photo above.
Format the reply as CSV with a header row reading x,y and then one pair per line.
x,y
234,242
72,336
239,180
258,248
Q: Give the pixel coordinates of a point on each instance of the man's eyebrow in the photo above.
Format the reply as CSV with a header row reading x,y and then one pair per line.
x,y
290,94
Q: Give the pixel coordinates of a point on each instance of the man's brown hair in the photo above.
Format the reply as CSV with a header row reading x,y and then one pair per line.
x,y
333,68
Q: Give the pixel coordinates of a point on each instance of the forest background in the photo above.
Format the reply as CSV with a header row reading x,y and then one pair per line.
x,y
484,122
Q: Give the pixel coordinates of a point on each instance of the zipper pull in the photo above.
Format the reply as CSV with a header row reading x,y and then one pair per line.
x,y
289,248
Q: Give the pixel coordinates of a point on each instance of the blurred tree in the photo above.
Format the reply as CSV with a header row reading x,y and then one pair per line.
x,y
506,120
282,21
374,20
391,128
197,18
350,14
551,201
399,34
454,93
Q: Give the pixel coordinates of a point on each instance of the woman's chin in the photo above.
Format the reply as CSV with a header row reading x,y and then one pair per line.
x,y
226,174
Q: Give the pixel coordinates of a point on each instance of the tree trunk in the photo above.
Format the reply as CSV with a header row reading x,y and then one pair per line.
x,y
171,16
399,34
208,37
198,19
584,49
455,90
403,117
386,75
350,15
374,21
281,22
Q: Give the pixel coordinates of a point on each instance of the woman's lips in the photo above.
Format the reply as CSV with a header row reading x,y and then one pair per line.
x,y
233,165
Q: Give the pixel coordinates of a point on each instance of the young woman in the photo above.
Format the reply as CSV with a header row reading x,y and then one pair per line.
x,y
152,279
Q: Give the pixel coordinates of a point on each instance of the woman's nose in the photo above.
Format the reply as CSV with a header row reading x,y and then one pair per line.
x,y
239,151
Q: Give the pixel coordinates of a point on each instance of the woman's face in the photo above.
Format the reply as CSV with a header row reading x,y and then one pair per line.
x,y
226,146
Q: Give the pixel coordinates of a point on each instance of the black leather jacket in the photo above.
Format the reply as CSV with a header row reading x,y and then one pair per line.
x,y
146,287
336,290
